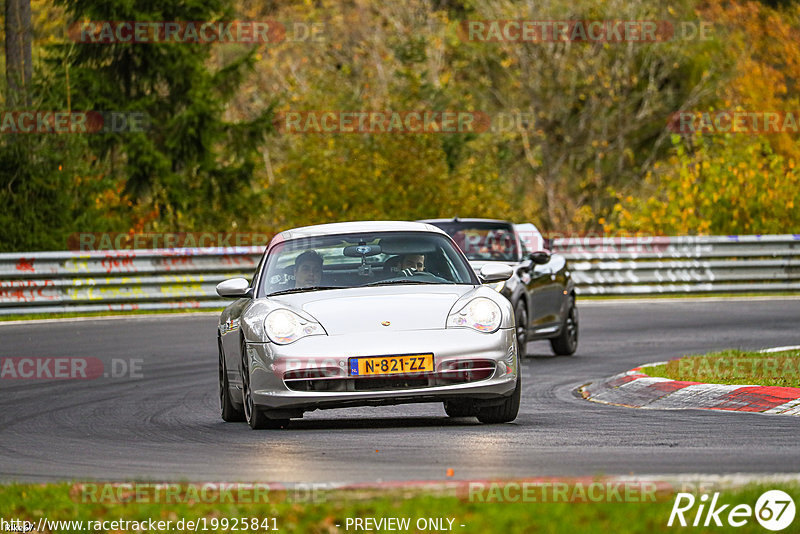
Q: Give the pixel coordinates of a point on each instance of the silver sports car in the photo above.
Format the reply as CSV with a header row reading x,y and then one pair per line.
x,y
366,314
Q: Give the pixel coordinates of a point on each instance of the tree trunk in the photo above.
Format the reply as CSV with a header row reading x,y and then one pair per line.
x,y
19,66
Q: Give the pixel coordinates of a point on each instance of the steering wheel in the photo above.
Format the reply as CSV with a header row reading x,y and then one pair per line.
x,y
422,274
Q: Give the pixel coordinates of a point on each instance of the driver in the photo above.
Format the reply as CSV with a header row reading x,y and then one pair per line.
x,y
411,263
308,269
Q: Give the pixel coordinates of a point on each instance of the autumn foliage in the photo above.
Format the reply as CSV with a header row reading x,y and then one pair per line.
x,y
578,139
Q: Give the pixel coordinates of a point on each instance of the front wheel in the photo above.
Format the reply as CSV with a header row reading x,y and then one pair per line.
x,y
567,341
254,415
505,412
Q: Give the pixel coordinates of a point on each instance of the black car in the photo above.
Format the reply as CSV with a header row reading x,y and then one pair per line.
x,y
541,289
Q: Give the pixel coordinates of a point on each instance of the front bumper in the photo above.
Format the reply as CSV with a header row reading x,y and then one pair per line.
x,y
328,357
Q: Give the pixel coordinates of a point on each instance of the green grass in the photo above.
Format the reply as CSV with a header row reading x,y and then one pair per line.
x,y
734,367
63,502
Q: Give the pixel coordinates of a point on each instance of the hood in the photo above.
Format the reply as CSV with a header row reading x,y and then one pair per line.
x,y
349,311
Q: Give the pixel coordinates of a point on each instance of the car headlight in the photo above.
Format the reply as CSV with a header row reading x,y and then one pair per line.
x,y
284,327
480,314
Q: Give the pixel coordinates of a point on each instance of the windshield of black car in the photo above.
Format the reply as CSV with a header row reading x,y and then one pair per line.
x,y
363,259
484,241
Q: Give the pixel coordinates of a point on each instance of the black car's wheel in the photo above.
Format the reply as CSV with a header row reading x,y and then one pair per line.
x,y
255,416
228,409
505,412
459,409
521,321
567,341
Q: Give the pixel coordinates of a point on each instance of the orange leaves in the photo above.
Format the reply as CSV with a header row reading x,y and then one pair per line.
x,y
765,45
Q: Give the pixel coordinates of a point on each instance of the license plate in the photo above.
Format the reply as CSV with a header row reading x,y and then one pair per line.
x,y
391,365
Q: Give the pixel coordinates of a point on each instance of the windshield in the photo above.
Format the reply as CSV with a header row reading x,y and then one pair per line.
x,y
483,241
363,259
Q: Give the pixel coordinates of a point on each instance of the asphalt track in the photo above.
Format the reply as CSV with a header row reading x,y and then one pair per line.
x,y
164,424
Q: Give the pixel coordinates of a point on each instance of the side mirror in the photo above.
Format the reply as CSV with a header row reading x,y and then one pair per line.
x,y
493,272
234,288
540,257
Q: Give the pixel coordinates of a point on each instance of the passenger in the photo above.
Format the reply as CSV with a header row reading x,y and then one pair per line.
x,y
308,269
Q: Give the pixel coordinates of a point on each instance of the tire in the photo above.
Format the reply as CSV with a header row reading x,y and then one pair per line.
x,y
567,341
260,421
521,325
255,416
505,412
228,410
459,409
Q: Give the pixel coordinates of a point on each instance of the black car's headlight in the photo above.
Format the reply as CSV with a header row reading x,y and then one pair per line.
x,y
481,314
283,327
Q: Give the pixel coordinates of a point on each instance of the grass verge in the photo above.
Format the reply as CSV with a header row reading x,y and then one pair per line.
x,y
734,367
330,512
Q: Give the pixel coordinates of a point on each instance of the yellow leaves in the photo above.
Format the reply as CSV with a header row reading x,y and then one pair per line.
x,y
583,216
744,188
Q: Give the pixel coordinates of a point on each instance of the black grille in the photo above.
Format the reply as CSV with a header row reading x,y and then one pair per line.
x,y
456,372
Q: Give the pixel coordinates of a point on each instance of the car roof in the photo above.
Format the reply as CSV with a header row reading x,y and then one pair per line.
x,y
354,227
465,220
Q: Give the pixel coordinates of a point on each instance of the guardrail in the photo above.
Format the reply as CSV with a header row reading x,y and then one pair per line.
x,y
52,282
686,264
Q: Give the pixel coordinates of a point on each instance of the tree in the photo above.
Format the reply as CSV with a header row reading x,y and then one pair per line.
x,y
190,169
19,64
596,111
715,184
568,119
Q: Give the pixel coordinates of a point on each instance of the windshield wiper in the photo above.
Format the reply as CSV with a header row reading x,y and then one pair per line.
x,y
390,282
302,289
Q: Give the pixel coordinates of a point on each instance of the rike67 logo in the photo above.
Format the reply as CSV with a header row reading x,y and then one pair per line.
x,y
774,510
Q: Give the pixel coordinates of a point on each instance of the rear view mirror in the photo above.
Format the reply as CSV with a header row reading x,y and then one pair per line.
x,y
493,272
356,251
234,288
540,257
